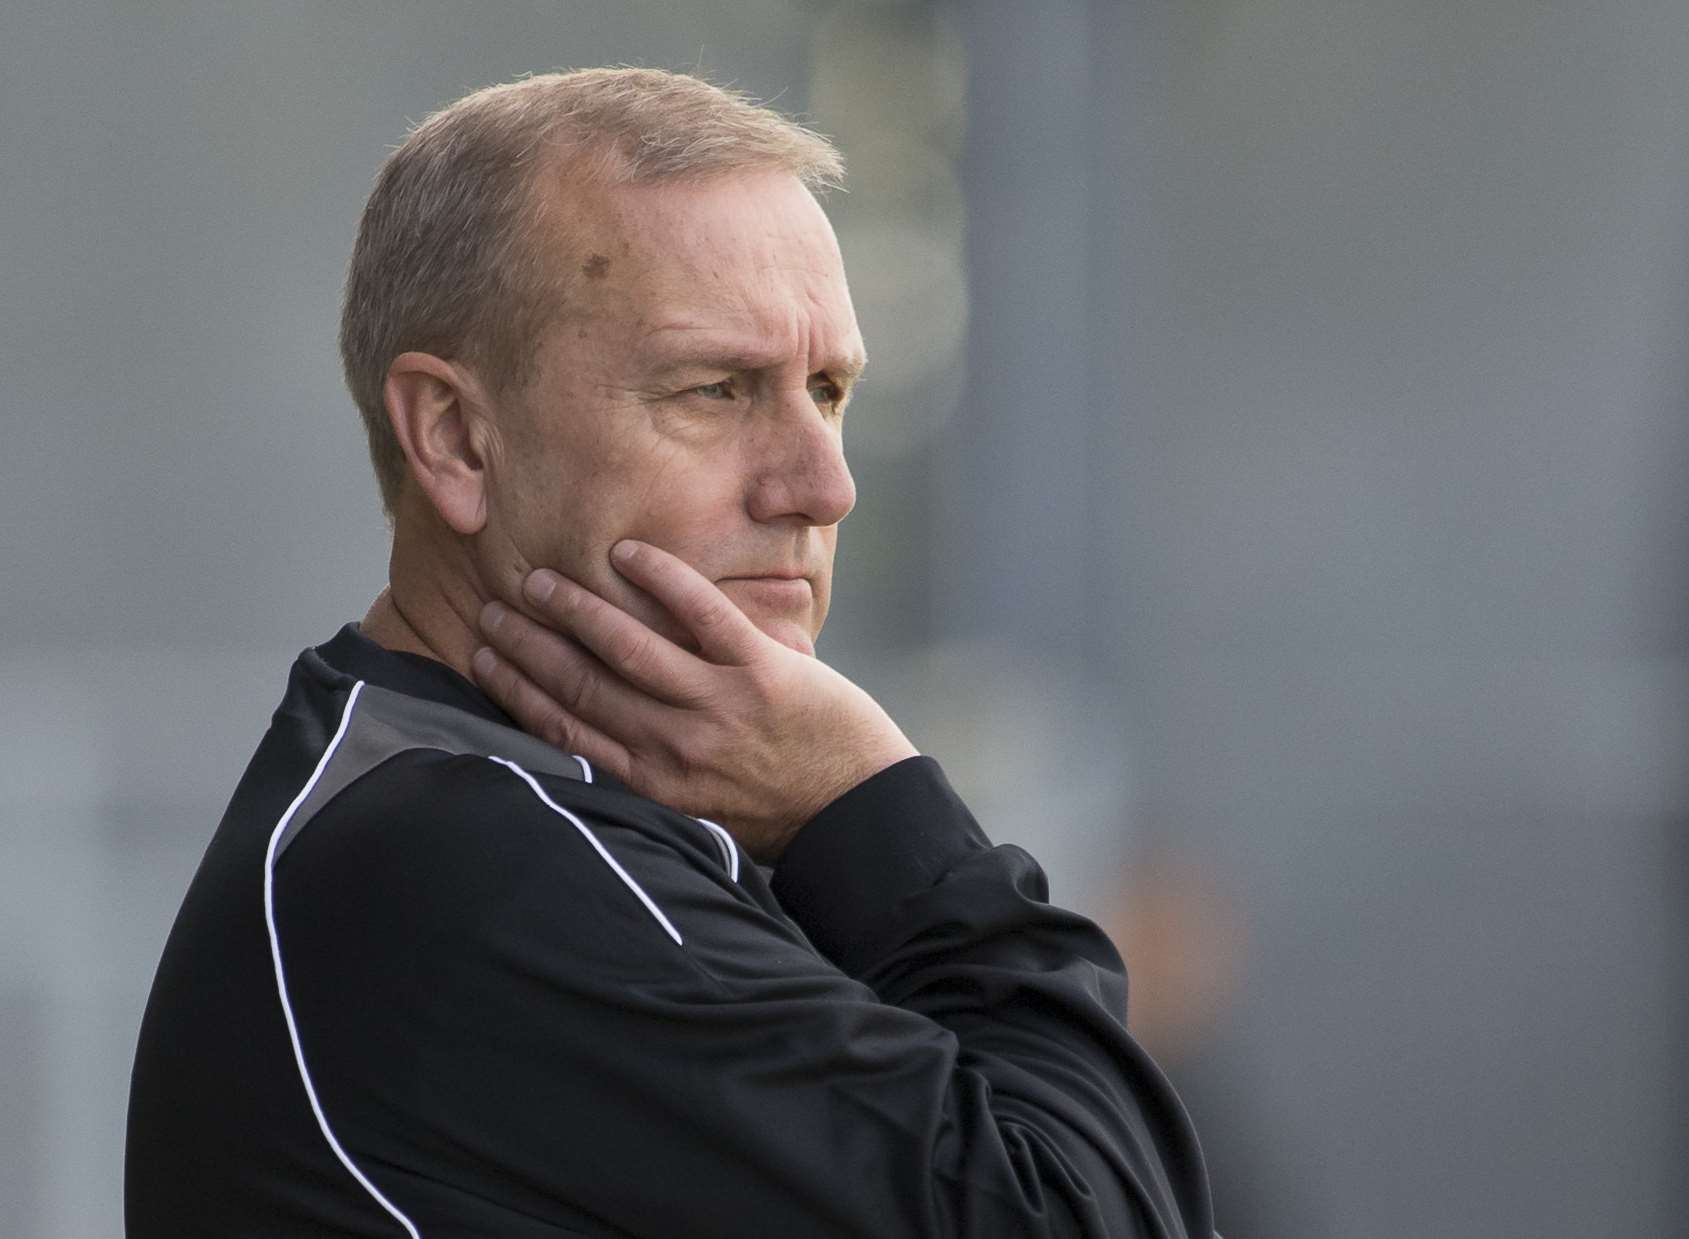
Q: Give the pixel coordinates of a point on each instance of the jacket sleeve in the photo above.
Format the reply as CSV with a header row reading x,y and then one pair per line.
x,y
911,1042
1074,1130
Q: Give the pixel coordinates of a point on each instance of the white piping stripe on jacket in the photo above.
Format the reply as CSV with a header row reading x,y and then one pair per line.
x,y
586,770
729,853
281,980
598,847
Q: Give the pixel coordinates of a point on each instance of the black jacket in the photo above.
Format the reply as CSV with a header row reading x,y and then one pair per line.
x,y
434,977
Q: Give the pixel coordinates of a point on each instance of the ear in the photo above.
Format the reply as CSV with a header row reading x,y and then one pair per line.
x,y
439,418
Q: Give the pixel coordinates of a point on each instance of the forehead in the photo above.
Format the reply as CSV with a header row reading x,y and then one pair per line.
x,y
746,253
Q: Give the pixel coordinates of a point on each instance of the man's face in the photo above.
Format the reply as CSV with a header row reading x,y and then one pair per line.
x,y
691,398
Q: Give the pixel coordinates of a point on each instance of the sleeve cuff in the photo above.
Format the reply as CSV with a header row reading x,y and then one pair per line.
x,y
891,836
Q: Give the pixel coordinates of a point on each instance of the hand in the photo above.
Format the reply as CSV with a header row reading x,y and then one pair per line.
x,y
745,732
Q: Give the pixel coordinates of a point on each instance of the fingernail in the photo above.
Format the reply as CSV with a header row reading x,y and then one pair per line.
x,y
483,661
624,551
492,615
540,585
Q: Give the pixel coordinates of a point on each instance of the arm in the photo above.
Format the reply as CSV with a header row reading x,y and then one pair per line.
x,y
1040,1114
1058,1115
507,1037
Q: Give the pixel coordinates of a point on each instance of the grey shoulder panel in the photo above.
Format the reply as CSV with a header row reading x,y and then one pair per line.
x,y
383,723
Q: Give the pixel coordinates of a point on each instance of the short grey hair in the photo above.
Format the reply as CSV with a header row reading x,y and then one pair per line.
x,y
447,259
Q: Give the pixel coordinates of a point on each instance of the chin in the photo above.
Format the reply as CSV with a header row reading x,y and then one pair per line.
x,y
789,633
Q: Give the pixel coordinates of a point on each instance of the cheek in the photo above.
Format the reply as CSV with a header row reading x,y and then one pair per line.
x,y
566,488
829,539
691,503
543,520
684,494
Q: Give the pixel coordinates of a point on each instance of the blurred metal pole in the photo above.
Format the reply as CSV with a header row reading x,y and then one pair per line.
x,y
1028,546
1017,460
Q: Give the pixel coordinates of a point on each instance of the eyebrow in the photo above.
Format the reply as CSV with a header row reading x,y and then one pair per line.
x,y
733,358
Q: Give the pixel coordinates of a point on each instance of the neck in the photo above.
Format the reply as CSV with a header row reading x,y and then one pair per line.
x,y
432,603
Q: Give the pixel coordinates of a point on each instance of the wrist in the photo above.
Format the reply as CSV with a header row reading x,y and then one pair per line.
x,y
825,786
888,838
858,766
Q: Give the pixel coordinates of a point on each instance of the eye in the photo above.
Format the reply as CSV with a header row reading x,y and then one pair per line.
x,y
721,390
826,392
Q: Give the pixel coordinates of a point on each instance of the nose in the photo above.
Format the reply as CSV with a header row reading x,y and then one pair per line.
x,y
803,475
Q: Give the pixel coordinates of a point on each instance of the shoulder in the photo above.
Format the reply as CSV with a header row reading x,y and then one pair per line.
x,y
403,777
444,843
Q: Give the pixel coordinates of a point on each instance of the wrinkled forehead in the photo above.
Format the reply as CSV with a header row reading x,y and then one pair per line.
x,y
745,252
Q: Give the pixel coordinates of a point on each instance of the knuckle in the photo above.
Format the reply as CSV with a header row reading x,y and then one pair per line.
x,y
762,679
630,650
505,685
513,637
709,612
696,695
501,685
556,729
674,753
582,691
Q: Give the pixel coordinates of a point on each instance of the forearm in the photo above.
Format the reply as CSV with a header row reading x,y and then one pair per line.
x,y
898,886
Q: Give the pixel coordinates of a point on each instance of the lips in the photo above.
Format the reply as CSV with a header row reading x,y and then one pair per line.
x,y
774,591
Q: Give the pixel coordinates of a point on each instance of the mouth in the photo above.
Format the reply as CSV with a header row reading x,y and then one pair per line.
x,y
778,591
774,574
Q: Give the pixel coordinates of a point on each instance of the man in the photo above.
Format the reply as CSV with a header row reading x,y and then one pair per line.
x,y
441,976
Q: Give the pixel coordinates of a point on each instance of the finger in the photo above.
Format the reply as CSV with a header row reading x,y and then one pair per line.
x,y
539,714
643,658
724,634
572,678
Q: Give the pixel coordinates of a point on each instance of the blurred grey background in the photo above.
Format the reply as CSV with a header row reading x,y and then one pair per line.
x,y
1272,513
